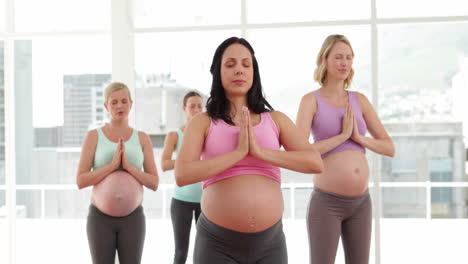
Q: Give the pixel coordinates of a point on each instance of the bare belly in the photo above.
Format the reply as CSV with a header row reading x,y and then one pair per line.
x,y
118,194
345,173
245,203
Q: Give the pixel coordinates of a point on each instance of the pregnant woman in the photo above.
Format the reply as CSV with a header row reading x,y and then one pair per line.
x,y
112,158
340,204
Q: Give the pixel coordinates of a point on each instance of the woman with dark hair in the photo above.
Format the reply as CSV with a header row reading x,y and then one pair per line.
x,y
185,204
234,150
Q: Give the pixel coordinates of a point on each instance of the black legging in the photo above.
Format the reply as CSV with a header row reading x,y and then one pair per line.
x,y
124,234
182,214
216,244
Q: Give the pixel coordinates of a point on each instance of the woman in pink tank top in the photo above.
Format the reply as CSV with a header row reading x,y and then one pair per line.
x,y
238,140
338,119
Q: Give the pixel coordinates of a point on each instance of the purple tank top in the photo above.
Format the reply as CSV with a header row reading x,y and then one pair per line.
x,y
327,123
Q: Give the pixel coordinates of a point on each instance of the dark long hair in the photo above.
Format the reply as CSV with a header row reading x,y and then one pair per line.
x,y
218,106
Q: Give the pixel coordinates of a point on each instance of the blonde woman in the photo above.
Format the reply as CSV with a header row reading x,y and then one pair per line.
x,y
338,119
112,158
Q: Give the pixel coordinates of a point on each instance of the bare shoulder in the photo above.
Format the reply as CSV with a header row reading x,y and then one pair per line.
x,y
172,135
202,117
280,119
363,101
90,142
308,97
361,97
200,120
92,136
308,102
144,138
277,115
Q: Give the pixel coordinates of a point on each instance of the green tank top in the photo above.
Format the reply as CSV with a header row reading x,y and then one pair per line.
x,y
105,150
190,193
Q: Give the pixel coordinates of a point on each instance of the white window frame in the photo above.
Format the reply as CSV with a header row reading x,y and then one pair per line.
x,y
123,64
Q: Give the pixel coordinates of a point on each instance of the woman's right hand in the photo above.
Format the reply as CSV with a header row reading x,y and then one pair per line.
x,y
117,159
347,122
243,145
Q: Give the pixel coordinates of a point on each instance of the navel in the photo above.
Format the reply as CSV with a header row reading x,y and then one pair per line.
x,y
252,223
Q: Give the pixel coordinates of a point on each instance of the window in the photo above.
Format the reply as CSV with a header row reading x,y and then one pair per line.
x,y
61,15
421,8
303,10
161,13
422,74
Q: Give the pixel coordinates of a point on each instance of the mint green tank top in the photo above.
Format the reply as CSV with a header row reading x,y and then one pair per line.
x,y
190,193
105,150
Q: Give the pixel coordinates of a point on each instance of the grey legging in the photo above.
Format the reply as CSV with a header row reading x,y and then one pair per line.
x,y
124,234
218,245
332,215
182,214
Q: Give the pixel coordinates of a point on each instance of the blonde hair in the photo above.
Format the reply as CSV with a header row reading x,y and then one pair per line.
x,y
116,86
321,71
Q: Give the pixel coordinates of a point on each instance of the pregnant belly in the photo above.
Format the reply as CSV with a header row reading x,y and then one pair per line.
x,y
118,194
244,203
346,173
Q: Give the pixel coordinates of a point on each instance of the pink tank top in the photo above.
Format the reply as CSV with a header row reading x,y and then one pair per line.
x,y
327,123
223,138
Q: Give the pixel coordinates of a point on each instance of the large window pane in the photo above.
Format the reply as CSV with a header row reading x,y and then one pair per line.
x,y
422,71
161,13
407,202
422,101
449,202
421,8
423,155
304,10
61,15
28,204
287,60
65,77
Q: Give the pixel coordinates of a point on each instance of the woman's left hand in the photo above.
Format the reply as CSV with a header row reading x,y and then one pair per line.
x,y
125,163
254,149
355,136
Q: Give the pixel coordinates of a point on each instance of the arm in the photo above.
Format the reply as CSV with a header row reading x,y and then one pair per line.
x,y
170,145
87,177
299,156
380,142
305,116
188,166
149,177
